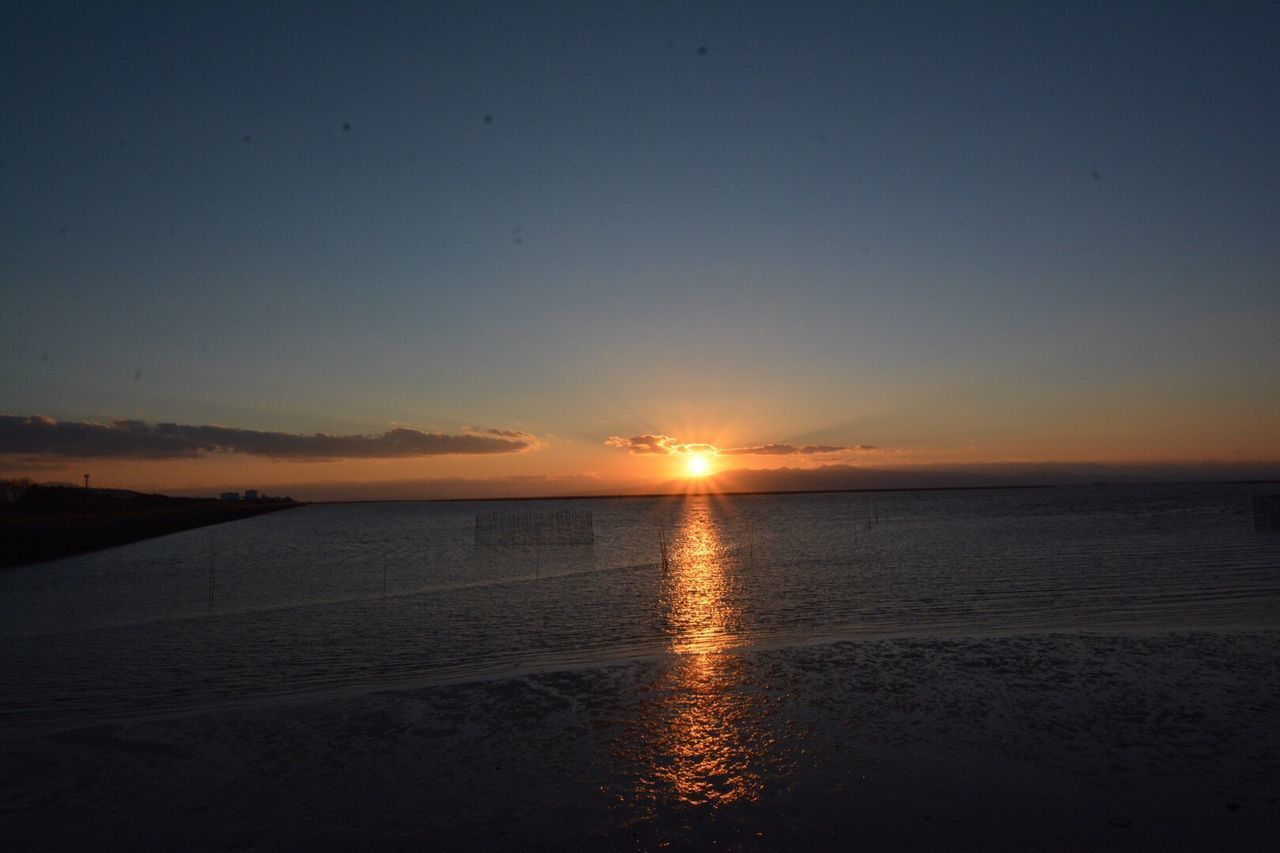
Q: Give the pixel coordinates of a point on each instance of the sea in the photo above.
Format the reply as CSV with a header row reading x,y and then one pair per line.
x,y
332,598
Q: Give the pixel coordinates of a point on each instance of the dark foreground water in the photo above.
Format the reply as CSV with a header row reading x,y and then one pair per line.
x,y
349,597
1052,669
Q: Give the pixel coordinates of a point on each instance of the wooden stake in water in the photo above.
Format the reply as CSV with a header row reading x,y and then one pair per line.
x,y
212,566
384,578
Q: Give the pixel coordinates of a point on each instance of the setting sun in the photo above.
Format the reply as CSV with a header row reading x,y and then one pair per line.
x,y
698,466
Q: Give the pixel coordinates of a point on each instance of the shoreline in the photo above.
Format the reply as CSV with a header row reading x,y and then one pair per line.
x,y
464,677
32,539
1170,741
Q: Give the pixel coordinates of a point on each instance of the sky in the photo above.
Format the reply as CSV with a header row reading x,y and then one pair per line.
x,y
543,248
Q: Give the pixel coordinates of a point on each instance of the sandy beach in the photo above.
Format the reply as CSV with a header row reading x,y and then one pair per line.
x,y
1061,742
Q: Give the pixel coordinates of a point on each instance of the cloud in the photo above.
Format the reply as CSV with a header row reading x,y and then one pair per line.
x,y
695,448
646,443
665,445
515,434
127,439
793,450
659,444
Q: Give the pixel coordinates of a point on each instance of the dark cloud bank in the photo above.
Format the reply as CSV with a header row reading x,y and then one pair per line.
x,y
124,439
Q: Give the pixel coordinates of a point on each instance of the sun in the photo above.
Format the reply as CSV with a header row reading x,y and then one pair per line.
x,y
698,466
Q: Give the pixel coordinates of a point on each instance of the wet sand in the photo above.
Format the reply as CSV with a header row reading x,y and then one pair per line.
x,y
1059,742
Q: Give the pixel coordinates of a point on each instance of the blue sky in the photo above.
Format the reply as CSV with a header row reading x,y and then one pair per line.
x,y
966,231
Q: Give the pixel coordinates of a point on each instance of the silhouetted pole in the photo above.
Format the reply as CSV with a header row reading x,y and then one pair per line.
x,y
212,563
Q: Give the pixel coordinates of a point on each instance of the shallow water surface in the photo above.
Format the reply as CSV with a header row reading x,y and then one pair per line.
x,y
338,597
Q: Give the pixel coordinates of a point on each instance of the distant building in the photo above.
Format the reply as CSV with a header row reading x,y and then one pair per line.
x,y
229,496
251,494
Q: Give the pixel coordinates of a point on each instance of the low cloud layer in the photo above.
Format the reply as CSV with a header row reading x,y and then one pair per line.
x,y
665,445
125,439
657,444
793,450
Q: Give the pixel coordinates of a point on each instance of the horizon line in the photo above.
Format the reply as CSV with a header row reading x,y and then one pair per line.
x,y
743,493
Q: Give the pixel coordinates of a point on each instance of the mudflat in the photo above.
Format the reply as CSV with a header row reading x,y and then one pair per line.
x,y
1165,741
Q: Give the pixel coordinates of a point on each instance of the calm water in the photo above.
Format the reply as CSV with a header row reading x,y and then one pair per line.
x,y
293,603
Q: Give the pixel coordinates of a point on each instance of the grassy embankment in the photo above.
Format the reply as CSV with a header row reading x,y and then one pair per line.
x,y
47,522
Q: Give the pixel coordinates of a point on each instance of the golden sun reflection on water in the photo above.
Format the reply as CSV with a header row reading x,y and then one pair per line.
x,y
699,738
696,598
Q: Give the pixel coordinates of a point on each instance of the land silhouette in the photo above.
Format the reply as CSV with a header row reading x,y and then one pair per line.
x,y
47,522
